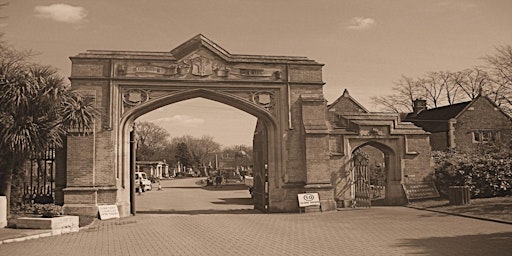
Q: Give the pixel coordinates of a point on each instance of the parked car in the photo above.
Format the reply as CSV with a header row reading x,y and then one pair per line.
x,y
146,183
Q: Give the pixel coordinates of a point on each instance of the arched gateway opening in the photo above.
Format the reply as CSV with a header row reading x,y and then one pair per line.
x,y
265,145
375,166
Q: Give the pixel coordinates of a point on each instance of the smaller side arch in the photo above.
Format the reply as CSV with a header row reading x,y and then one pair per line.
x,y
394,194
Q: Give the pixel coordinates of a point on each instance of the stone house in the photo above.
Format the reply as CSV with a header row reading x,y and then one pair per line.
x,y
464,125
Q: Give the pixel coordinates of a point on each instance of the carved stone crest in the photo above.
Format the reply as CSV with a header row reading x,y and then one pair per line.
x,y
135,97
201,66
264,99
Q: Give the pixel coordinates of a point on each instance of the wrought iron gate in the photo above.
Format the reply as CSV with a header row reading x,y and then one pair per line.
x,y
39,184
361,179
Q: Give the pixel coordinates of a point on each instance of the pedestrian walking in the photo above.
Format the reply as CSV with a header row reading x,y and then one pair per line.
x,y
141,185
218,181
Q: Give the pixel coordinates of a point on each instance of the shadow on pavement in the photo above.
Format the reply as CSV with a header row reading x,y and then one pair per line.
x,y
197,212
213,188
238,201
494,244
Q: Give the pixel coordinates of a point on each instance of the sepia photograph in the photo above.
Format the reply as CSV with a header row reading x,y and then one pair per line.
x,y
263,127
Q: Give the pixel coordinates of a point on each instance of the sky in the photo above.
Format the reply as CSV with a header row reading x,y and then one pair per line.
x,y
366,45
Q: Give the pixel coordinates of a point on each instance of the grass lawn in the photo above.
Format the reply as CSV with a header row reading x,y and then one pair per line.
x,y
499,208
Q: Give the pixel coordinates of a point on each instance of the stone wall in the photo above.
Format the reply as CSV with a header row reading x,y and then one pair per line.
x,y
482,115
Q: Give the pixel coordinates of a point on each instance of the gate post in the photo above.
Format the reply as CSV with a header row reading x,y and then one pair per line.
x,y
80,195
316,136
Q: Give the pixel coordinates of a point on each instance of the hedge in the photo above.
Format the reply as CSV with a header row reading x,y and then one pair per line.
x,y
488,172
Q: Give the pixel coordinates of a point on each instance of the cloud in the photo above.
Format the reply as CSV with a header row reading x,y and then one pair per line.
x,y
61,13
360,23
181,120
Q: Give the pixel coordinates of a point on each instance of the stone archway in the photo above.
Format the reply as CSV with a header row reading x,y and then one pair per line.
x,y
284,93
392,164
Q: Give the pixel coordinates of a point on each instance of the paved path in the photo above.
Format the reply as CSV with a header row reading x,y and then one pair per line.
x,y
189,196
218,231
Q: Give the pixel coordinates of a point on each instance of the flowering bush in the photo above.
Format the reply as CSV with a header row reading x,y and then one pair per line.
x,y
48,210
488,172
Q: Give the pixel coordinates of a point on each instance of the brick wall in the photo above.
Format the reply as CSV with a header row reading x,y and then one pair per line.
x,y
417,166
305,74
80,161
295,144
95,68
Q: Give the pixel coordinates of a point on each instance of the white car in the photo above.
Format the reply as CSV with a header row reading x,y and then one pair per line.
x,y
145,182
249,182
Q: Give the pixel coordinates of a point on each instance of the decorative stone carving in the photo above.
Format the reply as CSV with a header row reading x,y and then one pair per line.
x,y
135,97
195,66
265,73
265,99
374,132
146,70
201,66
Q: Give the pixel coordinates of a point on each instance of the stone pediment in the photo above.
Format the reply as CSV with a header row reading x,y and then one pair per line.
x,y
197,64
200,58
196,43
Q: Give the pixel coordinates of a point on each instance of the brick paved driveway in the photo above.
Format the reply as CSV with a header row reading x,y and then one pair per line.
x,y
375,231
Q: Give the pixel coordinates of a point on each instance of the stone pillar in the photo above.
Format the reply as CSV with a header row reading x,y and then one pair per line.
x,y
80,195
316,135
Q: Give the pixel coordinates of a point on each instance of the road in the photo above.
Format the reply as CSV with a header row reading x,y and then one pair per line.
x,y
190,196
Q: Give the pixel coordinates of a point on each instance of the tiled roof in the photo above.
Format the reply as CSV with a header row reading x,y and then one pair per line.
x,y
436,119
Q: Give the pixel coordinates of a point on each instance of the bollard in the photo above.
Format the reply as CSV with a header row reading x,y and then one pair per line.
x,y
3,212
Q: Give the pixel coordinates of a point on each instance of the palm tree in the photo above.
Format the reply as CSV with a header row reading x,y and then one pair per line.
x,y
37,109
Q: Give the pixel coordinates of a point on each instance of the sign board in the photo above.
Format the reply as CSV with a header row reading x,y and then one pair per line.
x,y
108,212
308,199
3,211
420,190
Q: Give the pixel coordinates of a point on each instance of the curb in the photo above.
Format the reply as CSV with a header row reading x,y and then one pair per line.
x,y
461,215
29,237
46,233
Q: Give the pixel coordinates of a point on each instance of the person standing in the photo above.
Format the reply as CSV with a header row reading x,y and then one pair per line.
x,y
218,180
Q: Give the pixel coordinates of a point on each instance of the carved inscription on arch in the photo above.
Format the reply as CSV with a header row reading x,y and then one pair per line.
x,y
198,66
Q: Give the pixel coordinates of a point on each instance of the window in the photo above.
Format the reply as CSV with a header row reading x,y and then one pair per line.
x,y
484,136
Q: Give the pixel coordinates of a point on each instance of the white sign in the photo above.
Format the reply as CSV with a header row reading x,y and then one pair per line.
x,y
308,199
108,212
3,211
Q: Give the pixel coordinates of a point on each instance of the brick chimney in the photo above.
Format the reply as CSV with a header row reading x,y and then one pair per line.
x,y
419,105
